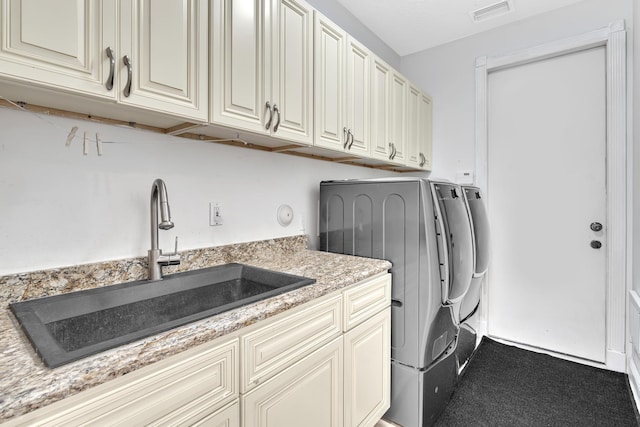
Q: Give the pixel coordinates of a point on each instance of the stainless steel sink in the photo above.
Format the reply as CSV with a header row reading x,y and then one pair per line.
x,y
68,327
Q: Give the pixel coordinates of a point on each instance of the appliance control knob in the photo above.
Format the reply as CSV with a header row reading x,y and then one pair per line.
x,y
596,244
596,226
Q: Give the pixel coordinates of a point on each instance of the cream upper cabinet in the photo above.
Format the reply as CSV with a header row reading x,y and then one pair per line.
x,y
68,52
419,122
330,45
398,117
342,90
358,91
261,67
380,104
138,52
162,61
389,91
425,117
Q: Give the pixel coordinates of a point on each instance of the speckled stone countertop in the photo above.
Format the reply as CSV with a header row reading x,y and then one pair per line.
x,y
26,384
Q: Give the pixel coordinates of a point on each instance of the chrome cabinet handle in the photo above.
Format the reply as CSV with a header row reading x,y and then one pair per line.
x,y
268,107
393,151
129,64
346,137
277,111
391,148
350,138
423,160
112,67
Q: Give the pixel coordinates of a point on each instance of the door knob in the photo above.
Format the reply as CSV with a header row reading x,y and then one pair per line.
x,y
596,244
596,226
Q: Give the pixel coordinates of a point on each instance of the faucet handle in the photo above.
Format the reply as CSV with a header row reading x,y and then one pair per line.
x,y
171,258
175,249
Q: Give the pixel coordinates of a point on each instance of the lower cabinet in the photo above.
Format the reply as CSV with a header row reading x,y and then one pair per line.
x,y
325,363
367,371
309,393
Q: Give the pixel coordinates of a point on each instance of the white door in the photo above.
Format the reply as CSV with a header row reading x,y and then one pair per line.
x,y
546,185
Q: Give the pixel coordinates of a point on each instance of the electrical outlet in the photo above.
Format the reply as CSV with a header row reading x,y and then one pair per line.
x,y
215,214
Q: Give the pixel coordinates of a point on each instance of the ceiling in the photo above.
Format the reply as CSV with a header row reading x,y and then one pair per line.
x,y
409,26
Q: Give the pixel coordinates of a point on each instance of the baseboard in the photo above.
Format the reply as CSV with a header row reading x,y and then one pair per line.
x,y
634,382
616,361
482,328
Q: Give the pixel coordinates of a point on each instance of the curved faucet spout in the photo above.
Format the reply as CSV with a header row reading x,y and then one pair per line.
x,y
160,202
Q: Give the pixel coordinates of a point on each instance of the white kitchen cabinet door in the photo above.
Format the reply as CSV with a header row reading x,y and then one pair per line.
x,y
237,68
262,67
380,103
413,105
418,129
398,117
291,56
59,44
367,371
309,393
330,43
425,132
358,89
166,43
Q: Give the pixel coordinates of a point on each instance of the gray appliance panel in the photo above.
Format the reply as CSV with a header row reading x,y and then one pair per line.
x,y
481,251
393,220
455,240
480,227
420,396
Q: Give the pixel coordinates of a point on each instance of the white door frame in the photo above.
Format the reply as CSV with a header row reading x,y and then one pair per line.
x,y
618,170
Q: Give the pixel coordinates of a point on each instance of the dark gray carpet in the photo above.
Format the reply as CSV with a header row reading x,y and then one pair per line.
x,y
507,386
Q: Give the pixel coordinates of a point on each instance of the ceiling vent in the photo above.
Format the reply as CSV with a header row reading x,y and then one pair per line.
x,y
492,11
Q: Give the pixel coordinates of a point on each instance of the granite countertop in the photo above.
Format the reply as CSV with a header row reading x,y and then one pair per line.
x,y
26,384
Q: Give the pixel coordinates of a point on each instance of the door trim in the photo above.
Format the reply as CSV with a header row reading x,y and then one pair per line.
x,y
618,166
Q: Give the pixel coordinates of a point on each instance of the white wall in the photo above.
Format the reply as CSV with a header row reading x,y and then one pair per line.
x,y
447,72
59,207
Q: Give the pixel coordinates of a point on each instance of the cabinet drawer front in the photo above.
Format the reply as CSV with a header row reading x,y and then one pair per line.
x,y
197,383
363,301
270,349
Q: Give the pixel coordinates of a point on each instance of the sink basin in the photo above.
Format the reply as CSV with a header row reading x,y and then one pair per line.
x,y
68,327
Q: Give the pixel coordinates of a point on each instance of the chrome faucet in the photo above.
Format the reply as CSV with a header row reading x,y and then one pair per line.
x,y
160,200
